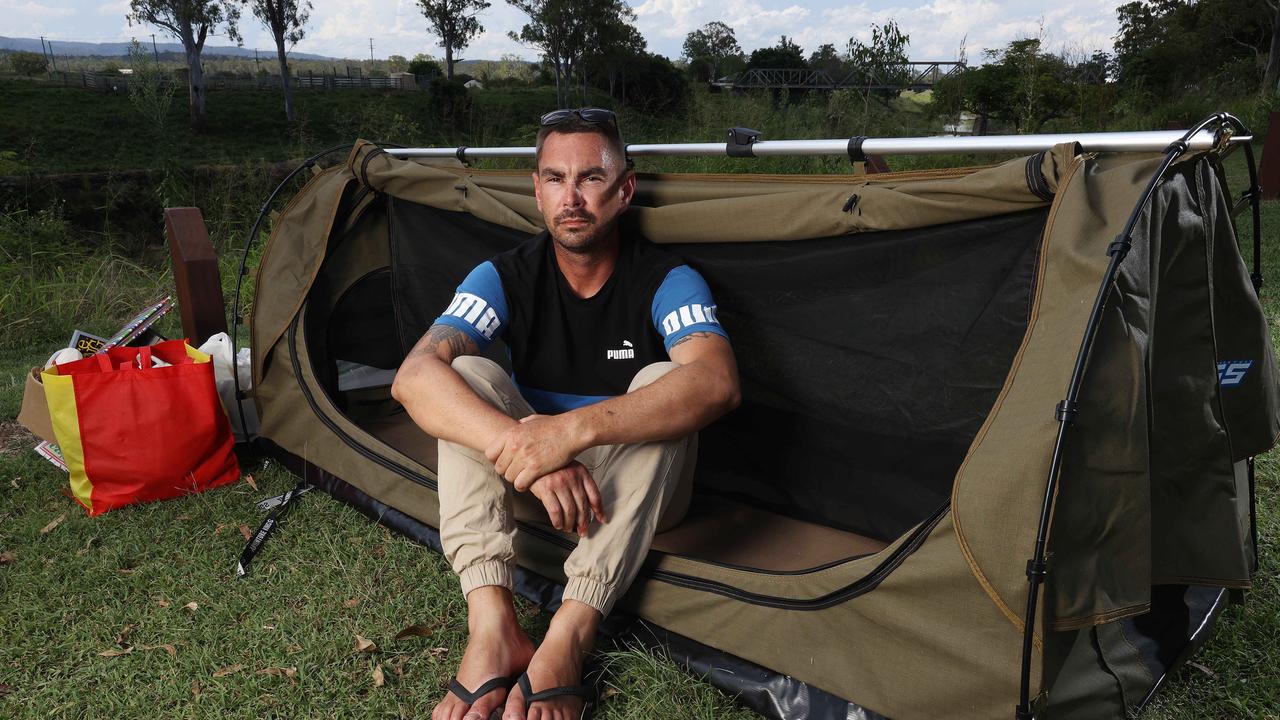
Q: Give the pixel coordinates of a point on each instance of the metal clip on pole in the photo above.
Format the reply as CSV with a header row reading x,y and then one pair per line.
x,y
740,141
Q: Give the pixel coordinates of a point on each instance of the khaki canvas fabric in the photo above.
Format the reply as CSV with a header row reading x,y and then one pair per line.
x,y
934,619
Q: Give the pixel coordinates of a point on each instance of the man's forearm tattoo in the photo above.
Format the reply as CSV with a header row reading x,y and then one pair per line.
x,y
459,344
691,336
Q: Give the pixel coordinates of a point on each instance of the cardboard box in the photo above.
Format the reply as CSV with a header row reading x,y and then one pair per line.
x,y
34,414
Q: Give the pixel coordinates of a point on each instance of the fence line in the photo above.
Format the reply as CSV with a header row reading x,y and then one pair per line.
x,y
111,82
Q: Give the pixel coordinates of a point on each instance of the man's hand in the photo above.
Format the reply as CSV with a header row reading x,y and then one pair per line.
x,y
539,445
569,495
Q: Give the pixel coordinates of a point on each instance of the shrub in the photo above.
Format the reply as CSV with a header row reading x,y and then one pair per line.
x,y
28,63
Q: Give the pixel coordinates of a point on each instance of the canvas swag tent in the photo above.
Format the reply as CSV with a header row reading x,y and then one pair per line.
x,y
971,397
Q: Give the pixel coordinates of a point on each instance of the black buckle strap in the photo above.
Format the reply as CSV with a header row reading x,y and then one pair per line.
x,y
1066,411
854,148
263,533
461,153
1037,569
1120,246
740,141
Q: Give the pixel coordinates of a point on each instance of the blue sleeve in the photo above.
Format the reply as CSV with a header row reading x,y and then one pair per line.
x,y
479,307
683,306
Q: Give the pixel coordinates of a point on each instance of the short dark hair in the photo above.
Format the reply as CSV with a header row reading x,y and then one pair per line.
x,y
575,124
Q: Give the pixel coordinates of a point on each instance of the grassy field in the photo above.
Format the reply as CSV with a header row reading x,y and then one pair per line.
x,y
137,614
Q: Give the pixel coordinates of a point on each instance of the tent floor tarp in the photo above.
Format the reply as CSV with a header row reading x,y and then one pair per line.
x,y
1181,620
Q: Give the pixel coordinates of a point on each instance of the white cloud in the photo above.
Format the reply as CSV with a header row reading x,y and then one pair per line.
x,y
343,27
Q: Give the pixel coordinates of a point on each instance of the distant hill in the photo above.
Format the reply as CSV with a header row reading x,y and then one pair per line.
x,y
121,49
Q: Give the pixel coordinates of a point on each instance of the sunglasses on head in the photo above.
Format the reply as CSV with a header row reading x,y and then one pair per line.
x,y
593,115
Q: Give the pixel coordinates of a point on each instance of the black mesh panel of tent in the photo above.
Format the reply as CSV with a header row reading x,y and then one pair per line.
x,y
868,361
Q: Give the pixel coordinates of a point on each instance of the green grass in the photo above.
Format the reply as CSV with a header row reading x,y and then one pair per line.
x,y
94,585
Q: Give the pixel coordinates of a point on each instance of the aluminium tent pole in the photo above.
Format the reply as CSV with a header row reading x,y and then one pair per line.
x,y
746,143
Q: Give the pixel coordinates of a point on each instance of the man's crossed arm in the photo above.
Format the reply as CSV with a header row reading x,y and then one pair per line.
x,y
537,453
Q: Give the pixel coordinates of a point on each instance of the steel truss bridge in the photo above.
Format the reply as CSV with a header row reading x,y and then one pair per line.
x,y
915,75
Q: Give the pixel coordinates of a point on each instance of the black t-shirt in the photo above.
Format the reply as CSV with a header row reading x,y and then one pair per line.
x,y
568,351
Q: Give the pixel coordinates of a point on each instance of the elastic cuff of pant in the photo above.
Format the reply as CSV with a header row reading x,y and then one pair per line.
x,y
490,572
590,592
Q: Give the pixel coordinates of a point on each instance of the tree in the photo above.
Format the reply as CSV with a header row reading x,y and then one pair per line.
x,y
1163,47
883,61
397,63
617,49
709,49
566,32
455,23
423,65
786,55
1020,86
28,63
191,22
829,61
285,19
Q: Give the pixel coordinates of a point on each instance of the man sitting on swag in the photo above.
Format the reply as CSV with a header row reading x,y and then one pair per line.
x,y
618,360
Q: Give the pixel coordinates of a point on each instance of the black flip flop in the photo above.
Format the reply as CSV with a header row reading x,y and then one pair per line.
x,y
586,692
471,696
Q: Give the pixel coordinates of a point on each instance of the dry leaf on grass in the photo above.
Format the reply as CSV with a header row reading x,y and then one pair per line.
x,y
249,479
397,665
5,689
364,644
191,606
289,672
608,693
196,688
437,652
293,649
228,670
183,517
351,603
115,652
414,631
218,530
8,557
88,544
162,603
1202,669
379,679
173,651
53,524
246,532
124,634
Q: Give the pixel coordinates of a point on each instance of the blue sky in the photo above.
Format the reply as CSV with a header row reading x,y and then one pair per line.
x,y
342,28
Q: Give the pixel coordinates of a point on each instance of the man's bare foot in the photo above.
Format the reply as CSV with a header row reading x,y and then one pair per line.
x,y
558,662
497,647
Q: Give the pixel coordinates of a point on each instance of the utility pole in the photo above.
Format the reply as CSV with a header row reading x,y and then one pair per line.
x,y
53,57
370,50
155,51
256,63
43,53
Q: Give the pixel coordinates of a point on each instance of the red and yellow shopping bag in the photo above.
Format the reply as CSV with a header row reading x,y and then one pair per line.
x,y
132,430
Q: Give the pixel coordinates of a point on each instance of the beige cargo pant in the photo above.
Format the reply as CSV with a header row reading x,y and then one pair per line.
x,y
644,488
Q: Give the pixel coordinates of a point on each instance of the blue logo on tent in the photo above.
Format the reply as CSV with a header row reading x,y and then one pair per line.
x,y
1231,372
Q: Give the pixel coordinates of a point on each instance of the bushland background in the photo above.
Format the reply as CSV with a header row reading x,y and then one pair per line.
x,y
137,612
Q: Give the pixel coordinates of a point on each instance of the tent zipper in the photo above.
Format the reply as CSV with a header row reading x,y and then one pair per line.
x,y
862,585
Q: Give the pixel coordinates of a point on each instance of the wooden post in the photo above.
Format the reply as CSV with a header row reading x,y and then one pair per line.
x,y
1269,172
195,272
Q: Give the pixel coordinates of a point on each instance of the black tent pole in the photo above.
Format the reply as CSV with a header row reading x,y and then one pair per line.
x,y
1037,567
244,265
1255,202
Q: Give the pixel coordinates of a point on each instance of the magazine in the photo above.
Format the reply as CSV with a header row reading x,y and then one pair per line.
x,y
51,452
